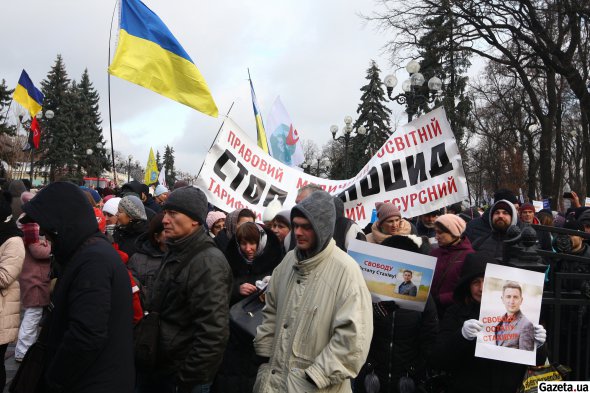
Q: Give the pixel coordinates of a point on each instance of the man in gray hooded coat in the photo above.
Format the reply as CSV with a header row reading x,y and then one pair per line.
x,y
317,323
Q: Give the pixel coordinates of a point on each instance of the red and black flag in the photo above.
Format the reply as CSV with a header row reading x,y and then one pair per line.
x,y
35,134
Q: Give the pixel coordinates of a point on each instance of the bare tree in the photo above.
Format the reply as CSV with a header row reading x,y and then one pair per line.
x,y
549,37
310,150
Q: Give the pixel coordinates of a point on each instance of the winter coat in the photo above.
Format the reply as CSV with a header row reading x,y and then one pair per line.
x,y
261,266
317,322
126,236
376,236
478,227
145,263
221,240
238,370
90,340
34,279
345,229
468,373
449,262
226,234
565,266
194,315
317,318
491,245
12,255
401,345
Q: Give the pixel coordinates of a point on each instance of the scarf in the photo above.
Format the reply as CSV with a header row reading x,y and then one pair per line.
x,y
405,228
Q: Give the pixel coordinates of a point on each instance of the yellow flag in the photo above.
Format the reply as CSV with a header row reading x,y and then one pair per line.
x,y
151,169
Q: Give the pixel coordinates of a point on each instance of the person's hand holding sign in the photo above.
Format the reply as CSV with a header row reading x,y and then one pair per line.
x,y
540,335
470,328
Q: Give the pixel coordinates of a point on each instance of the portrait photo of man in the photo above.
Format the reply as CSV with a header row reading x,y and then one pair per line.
x,y
407,287
514,330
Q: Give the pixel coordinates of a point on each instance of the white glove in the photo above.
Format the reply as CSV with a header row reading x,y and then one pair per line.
x,y
540,335
470,328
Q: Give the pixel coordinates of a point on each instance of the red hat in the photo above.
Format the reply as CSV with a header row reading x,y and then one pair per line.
x,y
527,206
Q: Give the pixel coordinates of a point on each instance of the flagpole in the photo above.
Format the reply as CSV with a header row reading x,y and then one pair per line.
x,y
109,97
216,135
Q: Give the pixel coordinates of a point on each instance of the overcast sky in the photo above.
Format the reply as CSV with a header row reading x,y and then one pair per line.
x,y
314,54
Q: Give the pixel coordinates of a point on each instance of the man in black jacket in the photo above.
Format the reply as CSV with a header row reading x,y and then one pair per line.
x,y
89,338
193,288
502,215
480,226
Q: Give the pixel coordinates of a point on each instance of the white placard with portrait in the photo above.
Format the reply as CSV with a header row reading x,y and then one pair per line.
x,y
510,308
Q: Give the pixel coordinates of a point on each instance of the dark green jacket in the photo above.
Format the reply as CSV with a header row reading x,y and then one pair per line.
x,y
195,311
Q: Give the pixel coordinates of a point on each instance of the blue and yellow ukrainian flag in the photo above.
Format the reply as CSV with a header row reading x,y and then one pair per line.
x,y
149,55
261,133
28,95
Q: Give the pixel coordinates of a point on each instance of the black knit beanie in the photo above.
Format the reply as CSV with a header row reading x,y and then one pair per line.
x,y
188,200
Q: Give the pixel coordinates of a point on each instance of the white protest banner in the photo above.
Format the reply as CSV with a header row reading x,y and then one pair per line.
x,y
509,310
392,274
418,169
587,202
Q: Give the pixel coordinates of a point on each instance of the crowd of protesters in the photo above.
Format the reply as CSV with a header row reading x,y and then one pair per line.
x,y
85,267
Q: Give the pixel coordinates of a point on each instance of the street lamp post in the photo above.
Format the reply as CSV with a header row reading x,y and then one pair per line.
x,y
129,167
89,158
323,164
89,153
99,147
347,131
414,93
48,115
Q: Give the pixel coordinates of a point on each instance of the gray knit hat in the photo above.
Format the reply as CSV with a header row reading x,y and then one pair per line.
x,y
188,200
132,206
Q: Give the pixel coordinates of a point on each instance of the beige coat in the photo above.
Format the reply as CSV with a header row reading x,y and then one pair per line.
x,y
317,321
12,255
